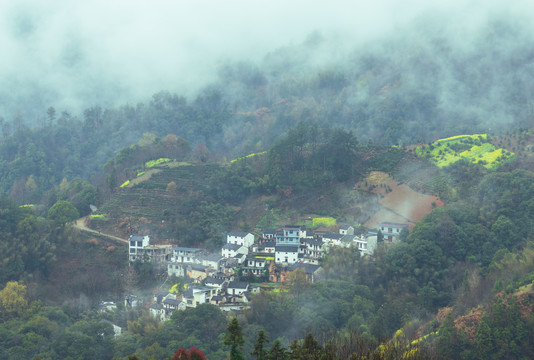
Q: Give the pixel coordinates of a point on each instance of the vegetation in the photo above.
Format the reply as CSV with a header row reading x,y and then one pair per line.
x,y
458,286
473,148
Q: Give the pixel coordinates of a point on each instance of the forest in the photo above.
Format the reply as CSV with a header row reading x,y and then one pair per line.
x,y
458,286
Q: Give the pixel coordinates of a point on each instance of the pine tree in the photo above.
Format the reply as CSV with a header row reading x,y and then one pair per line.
x,y
259,350
234,339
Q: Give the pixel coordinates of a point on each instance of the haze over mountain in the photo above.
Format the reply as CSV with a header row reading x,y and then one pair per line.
x,y
75,55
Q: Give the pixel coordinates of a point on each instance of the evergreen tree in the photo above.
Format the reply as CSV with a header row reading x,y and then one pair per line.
x,y
234,339
277,352
259,350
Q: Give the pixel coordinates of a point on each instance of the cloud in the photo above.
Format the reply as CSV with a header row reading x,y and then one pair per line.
x,y
73,54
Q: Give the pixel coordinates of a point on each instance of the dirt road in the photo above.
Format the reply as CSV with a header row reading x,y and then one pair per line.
x,y
80,224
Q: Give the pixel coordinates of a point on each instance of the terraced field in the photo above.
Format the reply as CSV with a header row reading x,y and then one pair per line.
x,y
150,199
474,148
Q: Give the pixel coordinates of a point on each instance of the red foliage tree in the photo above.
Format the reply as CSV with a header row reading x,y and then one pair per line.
x,y
193,354
196,354
181,354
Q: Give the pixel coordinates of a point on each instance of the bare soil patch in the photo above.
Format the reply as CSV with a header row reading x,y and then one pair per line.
x,y
399,203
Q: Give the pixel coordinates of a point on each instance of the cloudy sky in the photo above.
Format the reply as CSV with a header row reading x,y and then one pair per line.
x,y
73,54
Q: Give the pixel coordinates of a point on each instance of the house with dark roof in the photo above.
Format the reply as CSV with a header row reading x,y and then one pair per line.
x,y
198,294
231,250
184,254
170,304
286,255
177,269
391,230
254,266
240,238
346,230
266,247
332,238
212,260
314,248
158,311
237,287
268,234
217,283
313,272
198,272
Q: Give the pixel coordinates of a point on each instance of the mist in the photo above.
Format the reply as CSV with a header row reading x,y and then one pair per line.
x,y
73,55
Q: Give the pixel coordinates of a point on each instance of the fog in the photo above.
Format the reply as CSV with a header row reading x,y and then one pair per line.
x,y
73,55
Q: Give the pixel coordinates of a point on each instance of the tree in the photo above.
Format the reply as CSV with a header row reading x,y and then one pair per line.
x,y
277,352
297,282
234,339
62,212
171,187
181,354
193,354
379,236
13,300
259,350
51,112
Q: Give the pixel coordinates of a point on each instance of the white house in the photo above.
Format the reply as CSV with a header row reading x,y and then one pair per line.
x,y
216,283
158,311
240,238
254,266
314,248
267,247
346,230
237,288
286,255
196,295
136,244
366,244
212,260
391,231
139,248
268,233
332,238
176,269
184,254
231,250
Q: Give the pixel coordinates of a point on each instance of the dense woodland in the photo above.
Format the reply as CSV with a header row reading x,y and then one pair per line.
x,y
464,274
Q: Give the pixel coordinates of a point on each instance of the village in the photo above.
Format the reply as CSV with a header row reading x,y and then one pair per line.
x,y
227,279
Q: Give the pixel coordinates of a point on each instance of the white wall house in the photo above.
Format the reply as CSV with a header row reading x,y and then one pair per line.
x,y
185,255
237,287
136,243
346,230
139,248
391,231
240,238
286,255
231,250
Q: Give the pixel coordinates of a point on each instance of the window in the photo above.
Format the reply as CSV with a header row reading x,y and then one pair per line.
x,y
139,243
132,243
390,230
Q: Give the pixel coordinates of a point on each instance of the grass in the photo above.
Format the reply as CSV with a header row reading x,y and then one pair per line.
x,y
248,156
157,162
474,148
98,217
326,221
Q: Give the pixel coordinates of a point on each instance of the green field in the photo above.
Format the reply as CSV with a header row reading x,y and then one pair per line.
x,y
474,148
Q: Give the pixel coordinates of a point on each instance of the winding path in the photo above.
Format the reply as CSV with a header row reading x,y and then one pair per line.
x,y
80,224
